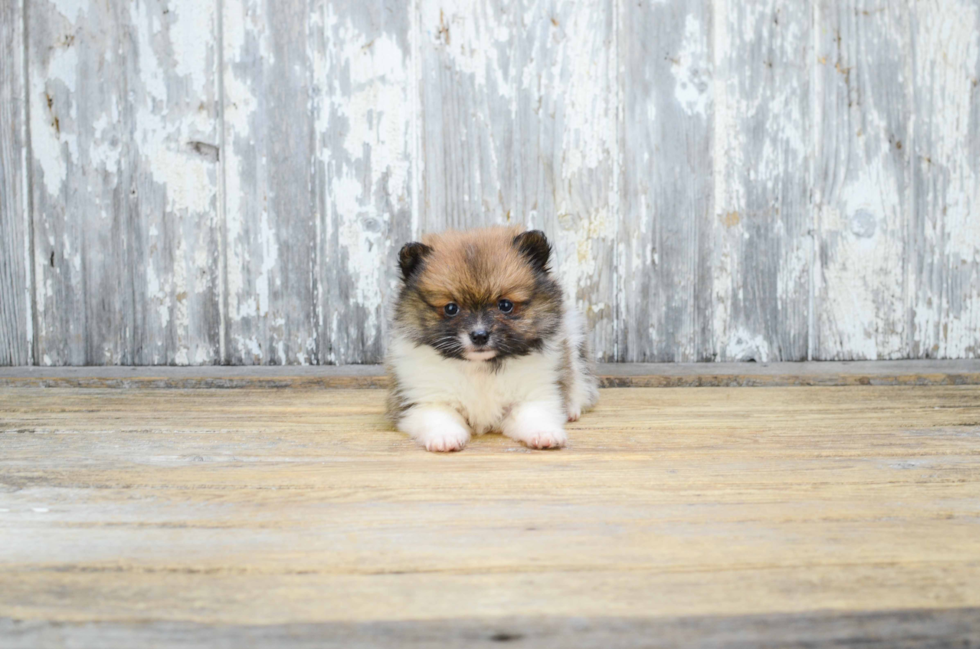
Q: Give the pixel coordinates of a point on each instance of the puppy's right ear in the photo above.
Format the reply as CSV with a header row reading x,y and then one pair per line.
x,y
410,258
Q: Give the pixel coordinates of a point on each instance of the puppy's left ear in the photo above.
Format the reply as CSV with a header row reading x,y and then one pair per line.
x,y
534,245
410,258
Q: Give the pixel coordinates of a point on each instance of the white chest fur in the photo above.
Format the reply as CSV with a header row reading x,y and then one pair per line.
x,y
482,395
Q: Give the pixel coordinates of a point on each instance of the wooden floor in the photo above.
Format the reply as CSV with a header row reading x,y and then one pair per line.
x,y
816,516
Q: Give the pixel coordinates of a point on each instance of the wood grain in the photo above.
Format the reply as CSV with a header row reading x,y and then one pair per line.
x,y
862,183
943,254
16,316
611,375
758,239
270,220
666,187
225,508
124,137
899,629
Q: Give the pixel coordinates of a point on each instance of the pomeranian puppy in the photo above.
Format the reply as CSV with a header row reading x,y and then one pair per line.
x,y
483,341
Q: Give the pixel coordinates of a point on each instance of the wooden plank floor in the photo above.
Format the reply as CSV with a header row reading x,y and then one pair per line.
x,y
688,517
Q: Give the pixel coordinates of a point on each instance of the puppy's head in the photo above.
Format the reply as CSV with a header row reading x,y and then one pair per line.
x,y
479,295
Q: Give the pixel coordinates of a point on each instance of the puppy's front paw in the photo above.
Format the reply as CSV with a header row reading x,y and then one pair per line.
x,y
445,441
538,424
546,439
574,412
436,429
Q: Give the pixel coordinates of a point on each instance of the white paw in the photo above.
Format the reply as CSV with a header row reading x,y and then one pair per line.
x,y
436,429
574,412
539,424
545,439
445,441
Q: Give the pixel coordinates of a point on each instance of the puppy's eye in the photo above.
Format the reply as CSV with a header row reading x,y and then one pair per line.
x,y
451,309
505,306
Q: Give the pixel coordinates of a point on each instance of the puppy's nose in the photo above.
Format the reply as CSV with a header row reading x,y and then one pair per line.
x,y
480,336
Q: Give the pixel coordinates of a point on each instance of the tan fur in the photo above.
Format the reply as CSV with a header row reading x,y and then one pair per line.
x,y
475,266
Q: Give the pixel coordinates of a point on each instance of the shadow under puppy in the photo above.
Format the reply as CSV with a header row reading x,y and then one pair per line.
x,y
483,341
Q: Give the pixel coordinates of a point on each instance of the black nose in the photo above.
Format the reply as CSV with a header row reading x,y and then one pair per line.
x,y
480,336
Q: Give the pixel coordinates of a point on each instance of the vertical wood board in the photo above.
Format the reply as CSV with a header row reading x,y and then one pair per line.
x,y
124,136
270,225
758,239
861,184
943,253
16,317
666,180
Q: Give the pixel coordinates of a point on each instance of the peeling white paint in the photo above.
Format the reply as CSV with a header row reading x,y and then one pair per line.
x,y
946,306
191,21
248,347
744,346
241,22
723,269
860,257
70,9
578,73
468,32
862,189
536,87
268,241
48,146
953,32
692,69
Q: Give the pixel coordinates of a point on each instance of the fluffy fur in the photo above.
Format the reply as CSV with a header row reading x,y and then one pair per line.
x,y
483,342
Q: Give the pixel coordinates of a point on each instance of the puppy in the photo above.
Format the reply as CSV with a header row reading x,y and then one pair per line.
x,y
482,341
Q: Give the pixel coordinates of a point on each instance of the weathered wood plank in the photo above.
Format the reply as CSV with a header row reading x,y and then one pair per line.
x,y
519,126
666,181
301,506
270,220
862,184
365,100
758,240
944,237
125,166
899,629
468,130
619,375
16,316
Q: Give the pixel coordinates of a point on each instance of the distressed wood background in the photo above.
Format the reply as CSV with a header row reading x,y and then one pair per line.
x,y
195,182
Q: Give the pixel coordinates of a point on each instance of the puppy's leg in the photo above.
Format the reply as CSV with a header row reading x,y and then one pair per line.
x,y
539,424
583,390
581,386
435,428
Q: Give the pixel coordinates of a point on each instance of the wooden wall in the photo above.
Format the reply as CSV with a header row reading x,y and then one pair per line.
x,y
228,181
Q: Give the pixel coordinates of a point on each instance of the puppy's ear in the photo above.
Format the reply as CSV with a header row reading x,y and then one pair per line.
x,y
534,245
410,258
